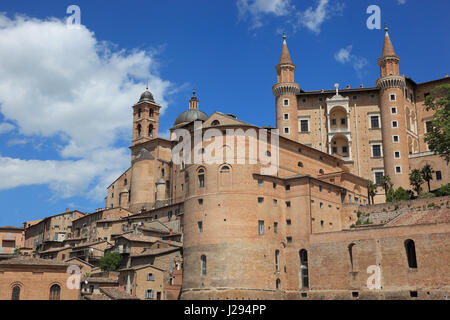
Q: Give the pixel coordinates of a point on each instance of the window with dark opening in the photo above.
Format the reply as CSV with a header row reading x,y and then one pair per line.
x,y
411,253
304,268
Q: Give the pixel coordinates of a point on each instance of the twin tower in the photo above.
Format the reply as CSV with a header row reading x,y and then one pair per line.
x,y
390,85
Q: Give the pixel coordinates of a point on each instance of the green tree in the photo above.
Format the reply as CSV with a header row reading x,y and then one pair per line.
x,y
371,190
110,261
416,180
427,174
386,183
438,134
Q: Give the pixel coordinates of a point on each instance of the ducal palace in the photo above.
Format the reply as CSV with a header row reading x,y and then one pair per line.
x,y
230,231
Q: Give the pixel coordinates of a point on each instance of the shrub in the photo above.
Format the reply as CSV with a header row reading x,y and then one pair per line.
x,y
425,195
444,190
397,195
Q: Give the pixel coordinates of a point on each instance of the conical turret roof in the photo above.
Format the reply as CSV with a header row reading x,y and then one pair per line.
x,y
388,48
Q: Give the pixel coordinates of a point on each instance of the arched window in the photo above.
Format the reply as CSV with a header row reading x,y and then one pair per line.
x,y
55,292
203,264
350,252
139,113
151,113
225,169
201,178
320,171
150,130
411,253
278,284
139,130
215,123
277,260
15,293
304,268
300,164
125,182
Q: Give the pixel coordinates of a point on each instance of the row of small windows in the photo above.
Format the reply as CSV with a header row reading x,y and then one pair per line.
x,y
151,113
55,292
303,257
150,130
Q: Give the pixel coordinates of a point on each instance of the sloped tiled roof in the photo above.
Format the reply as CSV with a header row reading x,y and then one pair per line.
x,y
33,262
117,294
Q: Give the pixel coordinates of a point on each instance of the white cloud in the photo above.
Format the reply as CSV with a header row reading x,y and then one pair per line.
x,y
15,142
344,56
6,127
401,2
256,9
63,83
313,18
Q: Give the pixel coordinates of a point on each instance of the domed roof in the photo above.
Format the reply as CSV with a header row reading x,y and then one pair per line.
x,y
147,96
191,115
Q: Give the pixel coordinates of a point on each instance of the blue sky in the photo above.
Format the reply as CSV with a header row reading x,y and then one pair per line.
x,y
66,95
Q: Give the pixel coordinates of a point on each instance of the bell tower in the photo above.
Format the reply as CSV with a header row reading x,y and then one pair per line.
x,y
285,92
145,119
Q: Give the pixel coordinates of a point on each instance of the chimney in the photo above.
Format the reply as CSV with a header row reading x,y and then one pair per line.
x,y
446,75
67,209
361,86
348,86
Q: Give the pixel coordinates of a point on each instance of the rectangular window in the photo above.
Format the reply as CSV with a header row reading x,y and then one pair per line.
x,y
304,125
428,126
286,130
376,150
288,222
344,149
286,116
394,124
377,176
260,182
289,239
286,102
333,122
392,97
260,227
398,169
375,122
260,199
395,139
394,110
275,227
334,149
343,121
201,180
397,154
438,175
288,204
275,202
150,277
200,226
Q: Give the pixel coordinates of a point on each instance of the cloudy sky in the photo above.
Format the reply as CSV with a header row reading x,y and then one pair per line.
x,y
66,93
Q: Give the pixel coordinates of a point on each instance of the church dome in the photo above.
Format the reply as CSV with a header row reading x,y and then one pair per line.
x,y
146,96
191,115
